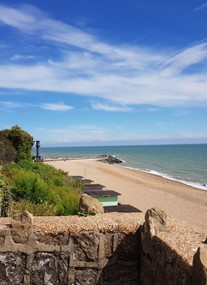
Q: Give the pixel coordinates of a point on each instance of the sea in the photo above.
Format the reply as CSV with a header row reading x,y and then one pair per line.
x,y
184,163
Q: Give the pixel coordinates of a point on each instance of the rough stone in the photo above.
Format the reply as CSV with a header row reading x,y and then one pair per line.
x,y
86,246
85,276
12,268
21,225
25,218
200,266
110,159
108,245
155,221
2,237
60,238
90,205
50,268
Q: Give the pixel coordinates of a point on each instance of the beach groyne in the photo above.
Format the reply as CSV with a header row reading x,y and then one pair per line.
x,y
112,249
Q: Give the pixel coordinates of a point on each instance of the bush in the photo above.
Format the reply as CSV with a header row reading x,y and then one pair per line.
x,y
7,151
65,199
39,183
21,141
5,197
41,209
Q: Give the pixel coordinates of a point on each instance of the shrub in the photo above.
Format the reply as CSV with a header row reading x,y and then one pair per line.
x,y
5,197
41,209
21,141
7,151
40,183
65,199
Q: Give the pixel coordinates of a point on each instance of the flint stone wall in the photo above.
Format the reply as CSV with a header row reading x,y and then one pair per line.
x,y
106,252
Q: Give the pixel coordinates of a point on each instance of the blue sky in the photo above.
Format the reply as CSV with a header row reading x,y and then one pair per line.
x,y
104,72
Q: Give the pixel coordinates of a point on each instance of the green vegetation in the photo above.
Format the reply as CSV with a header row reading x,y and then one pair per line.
x,y
42,209
7,151
42,189
15,145
5,197
36,187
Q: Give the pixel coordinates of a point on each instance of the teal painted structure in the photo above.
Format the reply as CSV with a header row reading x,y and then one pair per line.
x,y
108,200
106,197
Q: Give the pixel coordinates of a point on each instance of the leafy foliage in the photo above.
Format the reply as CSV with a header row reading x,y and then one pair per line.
x,y
41,209
21,141
7,151
42,184
5,197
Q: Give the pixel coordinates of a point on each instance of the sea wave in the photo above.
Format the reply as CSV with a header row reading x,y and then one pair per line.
x,y
166,176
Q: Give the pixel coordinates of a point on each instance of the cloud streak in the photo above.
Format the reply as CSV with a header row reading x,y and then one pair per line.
x,y
201,7
110,108
56,107
123,75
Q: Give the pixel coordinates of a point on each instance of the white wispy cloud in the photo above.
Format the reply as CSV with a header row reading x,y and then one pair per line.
x,y
47,106
16,18
56,107
18,57
9,105
201,7
110,108
121,74
186,58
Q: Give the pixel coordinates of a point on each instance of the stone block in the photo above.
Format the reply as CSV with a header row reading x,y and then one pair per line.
x,y
200,266
108,244
21,225
86,276
50,268
116,272
12,268
86,246
127,247
2,237
20,233
90,205
60,238
155,221
24,218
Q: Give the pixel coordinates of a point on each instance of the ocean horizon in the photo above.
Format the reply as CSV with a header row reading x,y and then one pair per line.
x,y
183,163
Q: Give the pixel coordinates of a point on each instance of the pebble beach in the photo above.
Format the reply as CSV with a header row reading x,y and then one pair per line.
x,y
143,190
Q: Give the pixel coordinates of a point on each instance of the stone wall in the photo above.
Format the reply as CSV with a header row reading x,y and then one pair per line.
x,y
95,253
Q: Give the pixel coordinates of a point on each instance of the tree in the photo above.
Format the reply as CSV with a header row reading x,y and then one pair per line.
x,y
21,141
7,151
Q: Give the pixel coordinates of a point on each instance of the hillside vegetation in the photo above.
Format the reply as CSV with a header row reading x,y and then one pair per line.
x,y
33,186
42,189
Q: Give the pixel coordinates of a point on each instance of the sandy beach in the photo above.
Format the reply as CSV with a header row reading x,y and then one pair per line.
x,y
143,190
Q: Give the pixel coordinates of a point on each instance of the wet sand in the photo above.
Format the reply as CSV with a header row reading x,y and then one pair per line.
x,y
144,190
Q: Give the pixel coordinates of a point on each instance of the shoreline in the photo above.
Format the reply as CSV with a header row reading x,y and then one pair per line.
x,y
192,184
144,190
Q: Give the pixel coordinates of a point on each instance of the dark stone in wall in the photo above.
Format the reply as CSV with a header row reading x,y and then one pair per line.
x,y
50,268
108,244
12,268
85,276
2,237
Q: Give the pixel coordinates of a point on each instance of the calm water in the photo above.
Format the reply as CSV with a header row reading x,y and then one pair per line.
x,y
186,163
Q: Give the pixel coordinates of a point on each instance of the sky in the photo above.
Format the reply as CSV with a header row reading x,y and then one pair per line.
x,y
112,72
